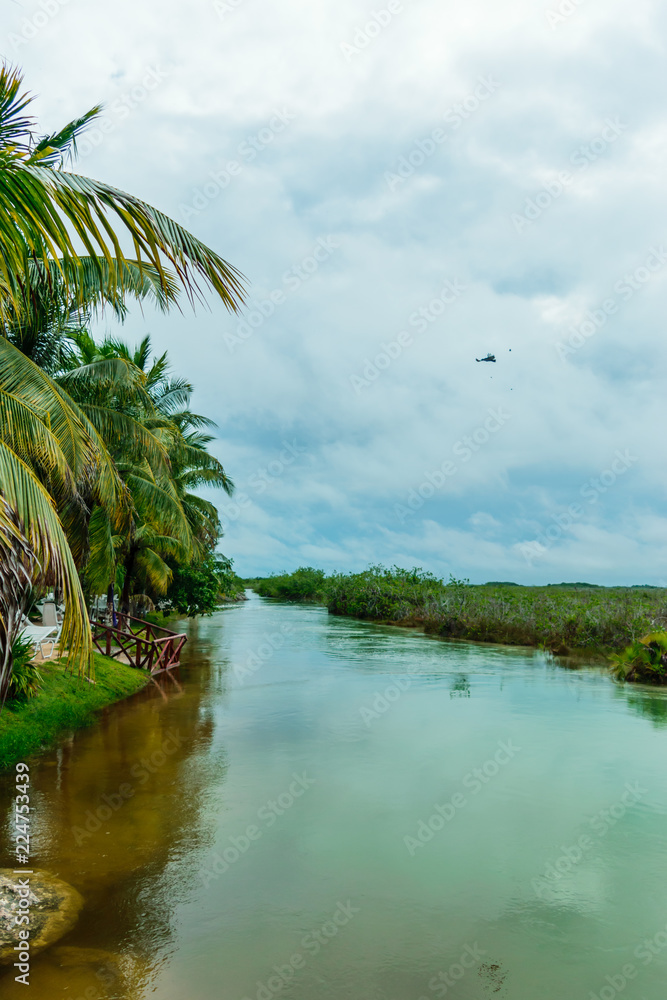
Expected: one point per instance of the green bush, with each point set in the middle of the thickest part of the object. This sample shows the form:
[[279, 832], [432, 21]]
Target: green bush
[[199, 588], [380, 594], [644, 660], [26, 678], [306, 584]]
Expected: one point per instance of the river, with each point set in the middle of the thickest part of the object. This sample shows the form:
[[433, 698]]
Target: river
[[317, 808]]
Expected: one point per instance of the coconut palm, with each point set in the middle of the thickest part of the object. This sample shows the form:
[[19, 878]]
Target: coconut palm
[[48, 449], [184, 436], [61, 251], [159, 452], [184, 432]]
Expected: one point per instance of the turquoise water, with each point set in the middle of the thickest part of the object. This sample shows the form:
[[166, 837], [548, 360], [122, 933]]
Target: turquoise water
[[323, 808]]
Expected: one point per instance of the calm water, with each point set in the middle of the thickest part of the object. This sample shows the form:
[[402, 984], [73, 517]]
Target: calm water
[[261, 833]]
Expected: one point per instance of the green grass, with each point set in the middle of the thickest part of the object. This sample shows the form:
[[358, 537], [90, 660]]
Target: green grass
[[564, 618], [63, 703]]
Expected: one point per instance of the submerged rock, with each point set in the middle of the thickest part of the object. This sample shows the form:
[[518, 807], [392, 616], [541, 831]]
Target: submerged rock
[[91, 966], [54, 909], [78, 973]]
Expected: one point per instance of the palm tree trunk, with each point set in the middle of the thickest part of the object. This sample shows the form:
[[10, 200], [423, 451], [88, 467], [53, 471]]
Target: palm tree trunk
[[17, 570], [127, 582], [110, 613]]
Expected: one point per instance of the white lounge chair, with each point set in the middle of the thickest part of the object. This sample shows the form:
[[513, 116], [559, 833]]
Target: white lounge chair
[[41, 634], [51, 615], [48, 632]]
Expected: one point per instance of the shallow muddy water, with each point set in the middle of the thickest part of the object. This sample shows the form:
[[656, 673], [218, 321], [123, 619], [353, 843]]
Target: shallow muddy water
[[318, 808]]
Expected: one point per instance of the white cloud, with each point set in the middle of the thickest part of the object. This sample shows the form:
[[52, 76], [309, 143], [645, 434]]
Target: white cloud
[[324, 175]]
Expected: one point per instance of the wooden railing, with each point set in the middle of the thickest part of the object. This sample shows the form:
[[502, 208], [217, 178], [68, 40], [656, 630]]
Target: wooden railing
[[144, 645]]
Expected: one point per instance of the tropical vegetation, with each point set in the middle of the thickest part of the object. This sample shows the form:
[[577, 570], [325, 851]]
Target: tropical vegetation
[[100, 453], [567, 618], [643, 660], [305, 584]]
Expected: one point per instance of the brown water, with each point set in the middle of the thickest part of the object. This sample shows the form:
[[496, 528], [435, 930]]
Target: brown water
[[317, 808]]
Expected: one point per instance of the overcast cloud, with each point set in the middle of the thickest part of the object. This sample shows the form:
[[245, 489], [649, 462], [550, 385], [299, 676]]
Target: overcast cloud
[[407, 186]]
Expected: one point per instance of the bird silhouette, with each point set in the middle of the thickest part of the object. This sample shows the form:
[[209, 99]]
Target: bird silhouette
[[489, 357]]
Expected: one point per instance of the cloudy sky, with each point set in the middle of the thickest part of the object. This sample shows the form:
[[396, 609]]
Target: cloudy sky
[[407, 186]]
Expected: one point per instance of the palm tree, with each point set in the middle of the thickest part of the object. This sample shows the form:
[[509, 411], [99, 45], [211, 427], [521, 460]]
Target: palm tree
[[48, 446], [183, 434], [142, 414]]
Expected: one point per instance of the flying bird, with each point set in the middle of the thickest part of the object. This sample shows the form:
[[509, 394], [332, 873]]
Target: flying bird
[[489, 357]]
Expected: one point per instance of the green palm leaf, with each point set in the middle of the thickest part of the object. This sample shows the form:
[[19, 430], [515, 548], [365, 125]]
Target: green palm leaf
[[43, 530]]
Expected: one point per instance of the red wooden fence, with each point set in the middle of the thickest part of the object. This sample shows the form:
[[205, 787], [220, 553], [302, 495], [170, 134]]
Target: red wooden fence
[[146, 646]]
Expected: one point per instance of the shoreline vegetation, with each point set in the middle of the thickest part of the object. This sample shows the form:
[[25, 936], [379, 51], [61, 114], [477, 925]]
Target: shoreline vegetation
[[60, 701], [63, 703], [623, 625], [101, 455]]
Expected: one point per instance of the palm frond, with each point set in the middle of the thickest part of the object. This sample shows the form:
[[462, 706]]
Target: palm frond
[[103, 377], [101, 565], [26, 432], [52, 150], [127, 435], [42, 204], [158, 503], [14, 124], [156, 570], [79, 442], [41, 525]]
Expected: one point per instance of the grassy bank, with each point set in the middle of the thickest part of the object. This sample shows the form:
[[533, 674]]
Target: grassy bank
[[564, 619], [62, 704]]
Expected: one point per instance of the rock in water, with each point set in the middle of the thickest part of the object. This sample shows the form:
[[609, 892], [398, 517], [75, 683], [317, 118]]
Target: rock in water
[[54, 909]]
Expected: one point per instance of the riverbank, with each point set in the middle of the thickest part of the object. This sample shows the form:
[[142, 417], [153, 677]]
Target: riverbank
[[63, 703], [408, 752], [564, 619]]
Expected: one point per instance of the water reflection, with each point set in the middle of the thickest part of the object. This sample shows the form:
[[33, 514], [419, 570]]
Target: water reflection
[[117, 810], [460, 687], [649, 704], [152, 925]]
